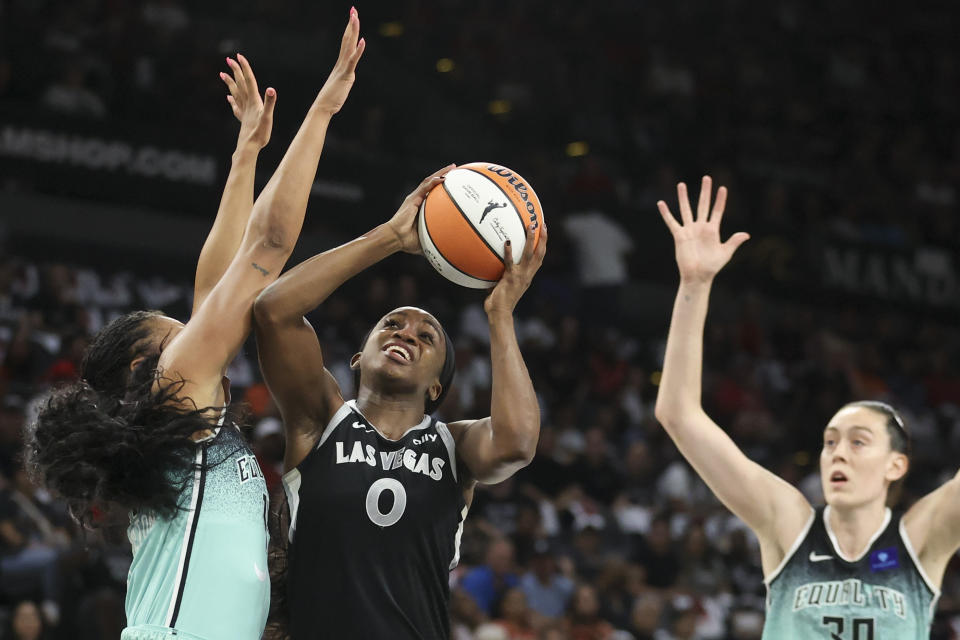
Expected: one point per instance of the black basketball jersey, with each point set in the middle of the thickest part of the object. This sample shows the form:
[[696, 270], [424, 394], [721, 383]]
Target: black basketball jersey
[[882, 595], [375, 529]]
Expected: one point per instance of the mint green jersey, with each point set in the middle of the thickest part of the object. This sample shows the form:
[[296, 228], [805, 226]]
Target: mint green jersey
[[202, 574], [818, 593]]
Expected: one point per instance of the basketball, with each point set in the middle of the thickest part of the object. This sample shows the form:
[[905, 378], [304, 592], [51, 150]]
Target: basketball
[[465, 220]]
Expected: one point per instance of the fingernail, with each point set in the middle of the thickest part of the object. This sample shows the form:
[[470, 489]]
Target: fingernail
[[362, 41], [222, 75], [229, 60], [353, 11]]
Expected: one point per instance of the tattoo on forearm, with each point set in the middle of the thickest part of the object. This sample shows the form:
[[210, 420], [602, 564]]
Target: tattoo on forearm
[[260, 269]]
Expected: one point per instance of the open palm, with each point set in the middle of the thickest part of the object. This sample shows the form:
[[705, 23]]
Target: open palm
[[699, 251], [337, 87], [254, 113]]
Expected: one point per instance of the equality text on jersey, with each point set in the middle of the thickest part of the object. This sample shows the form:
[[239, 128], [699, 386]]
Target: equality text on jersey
[[851, 592]]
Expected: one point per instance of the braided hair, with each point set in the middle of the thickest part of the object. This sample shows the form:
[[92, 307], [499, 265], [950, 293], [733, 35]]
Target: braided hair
[[115, 440]]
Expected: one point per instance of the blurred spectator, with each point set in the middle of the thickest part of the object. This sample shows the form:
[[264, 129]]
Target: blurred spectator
[[602, 245], [655, 552], [546, 589], [545, 475], [583, 617], [491, 631], [596, 470], [645, 616], [29, 559], [516, 617], [465, 615], [702, 571], [25, 623], [681, 617], [487, 583]]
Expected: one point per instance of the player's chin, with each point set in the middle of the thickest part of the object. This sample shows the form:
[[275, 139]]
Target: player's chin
[[840, 499], [395, 372]]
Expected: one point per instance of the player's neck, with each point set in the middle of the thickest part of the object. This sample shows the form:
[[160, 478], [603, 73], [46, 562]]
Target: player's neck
[[392, 415], [855, 526]]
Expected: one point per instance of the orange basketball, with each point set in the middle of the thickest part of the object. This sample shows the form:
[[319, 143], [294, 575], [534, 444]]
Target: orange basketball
[[465, 220]]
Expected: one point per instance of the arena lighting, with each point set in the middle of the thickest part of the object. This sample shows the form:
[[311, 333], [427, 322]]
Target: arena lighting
[[499, 107], [391, 29], [577, 149], [445, 65]]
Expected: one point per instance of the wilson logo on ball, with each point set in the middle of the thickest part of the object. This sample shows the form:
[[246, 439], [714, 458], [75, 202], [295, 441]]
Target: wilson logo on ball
[[520, 187], [465, 221]]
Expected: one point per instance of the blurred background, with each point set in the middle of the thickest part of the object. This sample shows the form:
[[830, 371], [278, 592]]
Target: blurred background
[[835, 129]]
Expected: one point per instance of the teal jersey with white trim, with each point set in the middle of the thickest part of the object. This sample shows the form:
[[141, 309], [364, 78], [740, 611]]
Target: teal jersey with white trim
[[817, 593], [202, 573]]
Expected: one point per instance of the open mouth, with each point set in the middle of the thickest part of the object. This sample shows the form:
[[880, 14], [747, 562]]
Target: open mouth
[[837, 478], [398, 353]]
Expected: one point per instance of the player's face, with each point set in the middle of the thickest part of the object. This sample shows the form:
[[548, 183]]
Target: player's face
[[856, 463], [407, 344]]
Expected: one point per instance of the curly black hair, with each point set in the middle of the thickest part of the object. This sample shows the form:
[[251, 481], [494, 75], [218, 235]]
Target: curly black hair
[[112, 440]]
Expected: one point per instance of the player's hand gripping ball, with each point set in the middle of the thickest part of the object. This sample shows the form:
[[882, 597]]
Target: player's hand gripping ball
[[465, 220]]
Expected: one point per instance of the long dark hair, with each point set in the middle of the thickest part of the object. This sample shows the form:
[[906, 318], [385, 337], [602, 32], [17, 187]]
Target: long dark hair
[[110, 441]]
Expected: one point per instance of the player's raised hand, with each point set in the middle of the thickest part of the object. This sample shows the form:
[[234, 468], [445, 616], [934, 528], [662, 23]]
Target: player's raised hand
[[699, 251], [337, 87], [404, 221], [516, 278], [254, 113]]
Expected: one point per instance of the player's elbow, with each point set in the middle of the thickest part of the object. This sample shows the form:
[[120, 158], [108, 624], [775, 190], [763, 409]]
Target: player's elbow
[[268, 308], [670, 414], [271, 232], [663, 412], [502, 466], [519, 457], [520, 448], [671, 407]]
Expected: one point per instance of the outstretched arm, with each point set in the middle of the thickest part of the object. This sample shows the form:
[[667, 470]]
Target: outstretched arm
[[290, 356], [771, 507], [256, 123], [496, 447], [933, 526], [203, 349]]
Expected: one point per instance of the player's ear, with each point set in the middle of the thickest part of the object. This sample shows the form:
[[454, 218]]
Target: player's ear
[[434, 390], [136, 362], [897, 468], [355, 361]]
